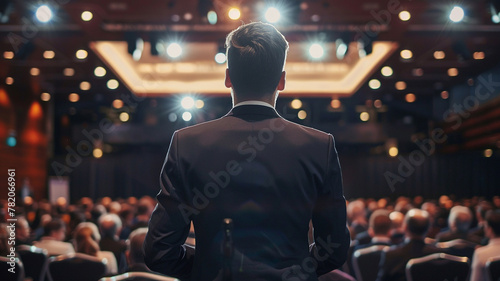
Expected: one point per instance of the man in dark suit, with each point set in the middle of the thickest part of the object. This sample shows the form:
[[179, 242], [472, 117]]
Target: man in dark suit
[[269, 175], [393, 262]]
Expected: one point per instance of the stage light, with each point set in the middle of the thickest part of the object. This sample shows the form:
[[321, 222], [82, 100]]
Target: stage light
[[69, 71], [99, 71], [445, 95], [377, 103], [220, 57], [87, 15], [316, 51], [302, 114], [44, 14], [374, 84], [410, 98], [234, 13], [335, 104], [404, 15], [172, 117], [118, 103], [200, 104], [212, 17], [187, 116], [342, 48], [452, 72], [296, 104], [97, 153], [386, 71], [457, 14], [272, 15], [406, 54], [417, 72], [9, 80], [478, 55], [34, 71], [8, 55], [85, 86], [488, 153], [73, 97], [112, 84], [439, 55], [364, 116], [124, 117], [400, 85], [174, 50], [393, 151], [81, 54], [187, 102], [45, 96], [49, 54]]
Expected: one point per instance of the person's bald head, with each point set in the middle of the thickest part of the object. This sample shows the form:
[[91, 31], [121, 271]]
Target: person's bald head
[[417, 223], [110, 224]]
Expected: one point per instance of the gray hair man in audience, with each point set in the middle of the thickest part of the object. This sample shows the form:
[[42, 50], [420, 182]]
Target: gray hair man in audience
[[459, 222], [135, 256], [109, 227]]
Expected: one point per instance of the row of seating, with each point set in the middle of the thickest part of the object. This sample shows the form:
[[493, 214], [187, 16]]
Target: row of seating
[[436, 267], [33, 262]]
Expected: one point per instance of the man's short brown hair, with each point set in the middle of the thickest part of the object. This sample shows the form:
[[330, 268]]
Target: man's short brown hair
[[256, 54]]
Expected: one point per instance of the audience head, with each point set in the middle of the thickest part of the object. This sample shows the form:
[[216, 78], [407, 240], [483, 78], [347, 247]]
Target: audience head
[[460, 219], [431, 208], [256, 54], [356, 210], [23, 231], [110, 225], [380, 223], [481, 209], [86, 239], [136, 239], [397, 219], [493, 224], [55, 228], [417, 223]]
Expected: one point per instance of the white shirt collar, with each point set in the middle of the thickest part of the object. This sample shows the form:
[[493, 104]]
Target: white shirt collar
[[254, 102]]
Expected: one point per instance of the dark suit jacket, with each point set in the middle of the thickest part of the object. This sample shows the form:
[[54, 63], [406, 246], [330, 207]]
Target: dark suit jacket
[[269, 175], [449, 235], [118, 247], [393, 262]]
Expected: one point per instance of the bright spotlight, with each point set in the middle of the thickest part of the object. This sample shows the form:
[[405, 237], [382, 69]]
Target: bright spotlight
[[272, 15], [364, 116], [296, 104], [220, 58], [99, 71], [234, 13], [87, 15], [186, 116], [316, 51], [404, 15], [387, 71], [81, 54], [457, 14], [43, 13], [97, 153], [341, 47], [393, 151], [124, 117], [212, 17], [200, 104], [187, 102], [302, 114], [112, 84], [174, 50], [374, 84]]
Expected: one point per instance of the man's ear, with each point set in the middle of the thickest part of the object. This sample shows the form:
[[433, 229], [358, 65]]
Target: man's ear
[[281, 84], [227, 81]]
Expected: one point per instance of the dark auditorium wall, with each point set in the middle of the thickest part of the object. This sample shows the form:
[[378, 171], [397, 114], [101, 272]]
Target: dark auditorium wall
[[27, 123], [464, 175]]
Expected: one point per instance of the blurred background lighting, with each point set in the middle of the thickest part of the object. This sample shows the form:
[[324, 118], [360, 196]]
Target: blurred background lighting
[[302, 114], [187, 116], [272, 15], [174, 50], [112, 84], [97, 152], [45, 96], [457, 14], [296, 104], [187, 102], [234, 13], [99, 71], [374, 84], [87, 15], [73, 97], [386, 71], [404, 15], [81, 54], [118, 103], [364, 116], [124, 117], [49, 54], [316, 51], [44, 13]]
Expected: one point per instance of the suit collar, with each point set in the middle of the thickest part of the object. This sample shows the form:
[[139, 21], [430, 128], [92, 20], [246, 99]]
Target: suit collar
[[254, 110]]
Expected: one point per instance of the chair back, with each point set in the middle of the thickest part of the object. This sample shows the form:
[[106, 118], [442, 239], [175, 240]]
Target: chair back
[[438, 267], [366, 262], [139, 276], [458, 247], [76, 267], [34, 260], [9, 271], [493, 268]]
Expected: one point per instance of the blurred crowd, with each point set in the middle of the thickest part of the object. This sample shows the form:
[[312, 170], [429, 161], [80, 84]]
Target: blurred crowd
[[115, 229]]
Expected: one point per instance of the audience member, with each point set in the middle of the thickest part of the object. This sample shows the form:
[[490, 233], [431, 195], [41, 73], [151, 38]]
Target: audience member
[[109, 226], [481, 209], [393, 262], [397, 232], [86, 239], [482, 254], [379, 230], [23, 232], [135, 257], [53, 237], [356, 216], [459, 221]]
